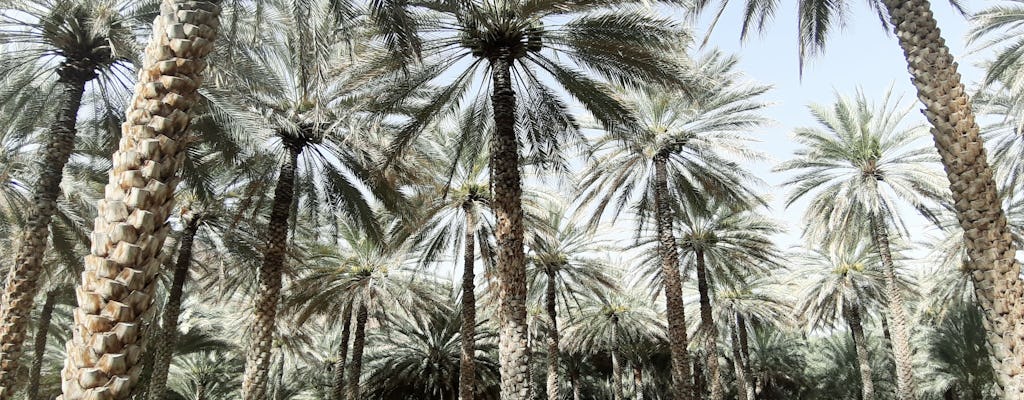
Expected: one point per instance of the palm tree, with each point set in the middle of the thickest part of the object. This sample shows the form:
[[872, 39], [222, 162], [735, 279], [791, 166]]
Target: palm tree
[[677, 160], [755, 304], [117, 285], [841, 284], [858, 169], [561, 265], [78, 41], [530, 40], [736, 242], [956, 134], [957, 357]]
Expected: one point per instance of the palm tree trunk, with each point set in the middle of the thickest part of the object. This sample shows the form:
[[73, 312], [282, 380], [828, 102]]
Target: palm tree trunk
[[674, 307], [698, 379], [741, 328], [339, 365], [356, 369], [743, 386], [549, 303], [977, 202], [39, 346], [513, 354], [638, 381], [616, 364], [172, 309], [201, 391], [22, 281], [900, 342], [257, 360], [467, 364], [852, 315], [119, 279], [708, 326], [574, 381]]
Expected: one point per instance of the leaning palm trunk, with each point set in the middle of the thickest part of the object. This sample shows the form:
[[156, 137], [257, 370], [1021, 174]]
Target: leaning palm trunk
[[39, 346], [23, 279], [681, 388], [119, 279], [358, 344], [172, 309], [852, 315], [617, 391], [743, 386], [257, 360], [976, 199], [708, 326], [900, 337], [549, 303], [513, 353], [467, 364], [339, 365]]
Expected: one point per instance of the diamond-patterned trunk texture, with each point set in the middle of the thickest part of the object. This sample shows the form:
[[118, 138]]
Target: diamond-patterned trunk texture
[[989, 242], [674, 308], [467, 362], [513, 353], [119, 279], [23, 279], [902, 353], [851, 312]]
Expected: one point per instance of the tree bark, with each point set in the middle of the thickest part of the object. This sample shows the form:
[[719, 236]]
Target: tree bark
[[852, 315], [39, 345], [616, 364], [358, 344], [23, 280], [513, 354], [976, 199], [574, 381], [119, 279], [681, 388], [549, 303], [638, 381], [741, 328], [338, 382], [902, 353], [708, 326], [172, 310], [467, 364], [743, 386], [698, 379], [257, 361]]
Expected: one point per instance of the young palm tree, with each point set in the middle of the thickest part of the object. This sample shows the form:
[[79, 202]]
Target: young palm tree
[[530, 40], [741, 310], [117, 286], [955, 131], [857, 170], [678, 159], [561, 265], [77, 41]]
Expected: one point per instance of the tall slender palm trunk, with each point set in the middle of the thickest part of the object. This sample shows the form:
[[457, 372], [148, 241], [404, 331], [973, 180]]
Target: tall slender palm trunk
[[853, 319], [674, 307], [617, 390], [513, 353], [23, 280], [338, 383], [39, 345], [900, 342], [467, 363], [638, 381], [976, 199], [118, 284], [707, 324], [744, 346], [574, 381], [549, 303], [257, 359], [743, 386], [172, 310], [358, 344]]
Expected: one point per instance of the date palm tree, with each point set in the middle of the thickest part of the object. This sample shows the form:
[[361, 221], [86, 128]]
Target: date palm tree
[[679, 158], [955, 131], [857, 170], [519, 45]]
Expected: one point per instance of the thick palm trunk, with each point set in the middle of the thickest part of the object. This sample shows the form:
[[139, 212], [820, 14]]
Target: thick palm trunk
[[674, 307], [638, 381], [39, 345], [172, 310], [119, 279], [741, 328], [467, 364], [708, 326], [338, 382], [549, 303], [22, 281], [257, 360], [617, 391], [698, 379], [900, 342], [358, 344], [976, 199], [743, 386], [852, 315], [513, 353]]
